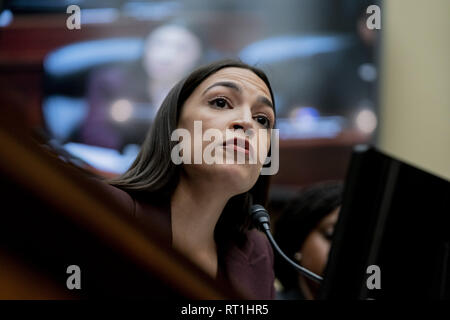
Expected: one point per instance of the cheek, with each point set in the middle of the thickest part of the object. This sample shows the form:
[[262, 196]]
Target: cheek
[[244, 176], [261, 143], [315, 252], [198, 121], [254, 171]]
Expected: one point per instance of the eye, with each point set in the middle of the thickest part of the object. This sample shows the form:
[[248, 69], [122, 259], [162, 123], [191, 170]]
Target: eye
[[263, 120], [219, 103], [327, 234]]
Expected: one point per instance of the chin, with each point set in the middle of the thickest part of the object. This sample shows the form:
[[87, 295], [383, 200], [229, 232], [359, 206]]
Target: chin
[[238, 177]]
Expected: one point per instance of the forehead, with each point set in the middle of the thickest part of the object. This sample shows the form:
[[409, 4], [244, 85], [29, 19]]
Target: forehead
[[168, 34], [245, 78]]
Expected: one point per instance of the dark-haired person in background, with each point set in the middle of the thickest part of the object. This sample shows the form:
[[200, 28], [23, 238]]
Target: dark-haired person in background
[[205, 207], [304, 231]]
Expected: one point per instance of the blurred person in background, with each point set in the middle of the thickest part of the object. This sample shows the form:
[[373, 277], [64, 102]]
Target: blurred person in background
[[304, 232], [123, 100]]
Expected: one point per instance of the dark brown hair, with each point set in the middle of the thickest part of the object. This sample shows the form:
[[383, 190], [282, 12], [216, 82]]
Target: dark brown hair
[[300, 217], [155, 176]]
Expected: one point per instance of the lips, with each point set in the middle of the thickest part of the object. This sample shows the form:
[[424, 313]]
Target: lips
[[240, 145]]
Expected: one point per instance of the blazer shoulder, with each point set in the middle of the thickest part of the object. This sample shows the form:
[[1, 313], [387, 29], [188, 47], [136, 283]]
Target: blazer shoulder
[[117, 196], [142, 208]]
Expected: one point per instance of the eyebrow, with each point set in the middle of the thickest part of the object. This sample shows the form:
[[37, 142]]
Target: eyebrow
[[265, 101], [227, 84], [237, 88]]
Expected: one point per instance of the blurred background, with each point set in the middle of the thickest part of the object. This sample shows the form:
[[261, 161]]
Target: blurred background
[[93, 92]]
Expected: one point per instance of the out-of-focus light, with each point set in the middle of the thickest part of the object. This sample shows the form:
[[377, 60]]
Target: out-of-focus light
[[6, 17], [305, 118], [104, 159], [282, 48], [121, 110], [81, 56], [367, 72], [303, 112], [154, 10], [102, 15], [366, 121]]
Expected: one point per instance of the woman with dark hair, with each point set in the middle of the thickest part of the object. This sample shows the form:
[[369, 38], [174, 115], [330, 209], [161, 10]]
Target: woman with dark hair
[[304, 230], [206, 206]]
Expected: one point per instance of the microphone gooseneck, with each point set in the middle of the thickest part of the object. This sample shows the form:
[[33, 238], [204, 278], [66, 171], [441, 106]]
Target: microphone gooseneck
[[261, 220]]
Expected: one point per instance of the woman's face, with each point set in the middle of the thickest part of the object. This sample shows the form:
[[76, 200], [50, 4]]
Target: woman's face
[[238, 100], [170, 52], [316, 247]]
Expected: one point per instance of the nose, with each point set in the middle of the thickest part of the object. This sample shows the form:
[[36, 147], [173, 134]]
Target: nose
[[243, 121]]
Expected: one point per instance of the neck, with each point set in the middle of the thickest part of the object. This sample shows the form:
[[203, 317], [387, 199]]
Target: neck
[[306, 286], [157, 90], [195, 210]]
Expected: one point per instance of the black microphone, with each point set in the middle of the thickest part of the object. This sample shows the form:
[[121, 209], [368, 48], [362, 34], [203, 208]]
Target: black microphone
[[261, 220]]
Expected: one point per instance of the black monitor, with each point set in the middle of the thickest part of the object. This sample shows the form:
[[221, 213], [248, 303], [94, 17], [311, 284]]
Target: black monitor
[[396, 217]]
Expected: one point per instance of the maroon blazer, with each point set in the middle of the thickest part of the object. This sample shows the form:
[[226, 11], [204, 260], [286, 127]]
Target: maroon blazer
[[247, 268]]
